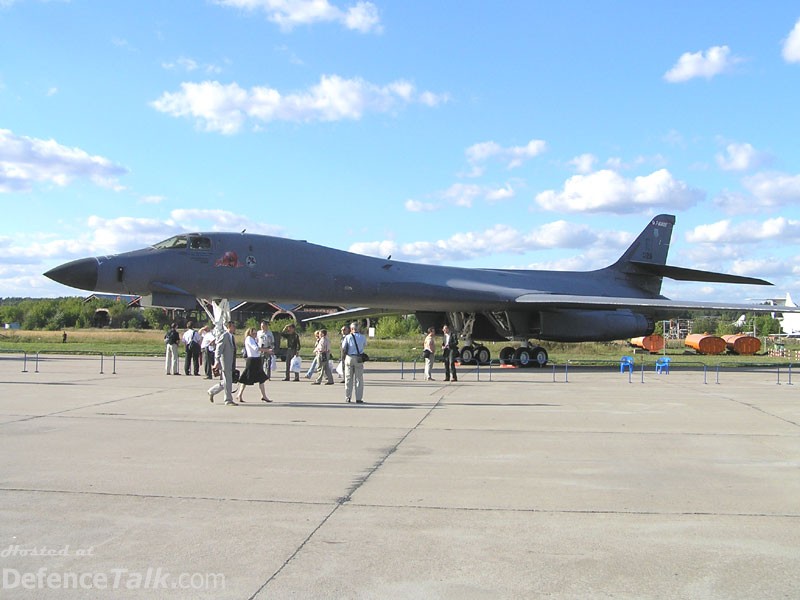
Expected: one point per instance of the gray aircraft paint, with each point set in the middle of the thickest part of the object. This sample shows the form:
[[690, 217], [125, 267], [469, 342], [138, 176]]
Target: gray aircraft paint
[[615, 302]]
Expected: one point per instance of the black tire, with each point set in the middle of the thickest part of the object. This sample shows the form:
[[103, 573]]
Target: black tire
[[539, 356], [467, 355], [482, 355], [523, 358], [507, 356]]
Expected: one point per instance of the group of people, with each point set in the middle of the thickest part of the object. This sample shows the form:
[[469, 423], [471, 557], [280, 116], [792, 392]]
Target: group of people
[[218, 356], [199, 349], [259, 352], [449, 353]]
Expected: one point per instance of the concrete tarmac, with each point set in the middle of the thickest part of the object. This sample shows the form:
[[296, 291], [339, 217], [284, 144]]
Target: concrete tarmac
[[130, 484]]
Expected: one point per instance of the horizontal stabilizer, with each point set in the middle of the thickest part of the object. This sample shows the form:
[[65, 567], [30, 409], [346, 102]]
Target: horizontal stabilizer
[[683, 274]]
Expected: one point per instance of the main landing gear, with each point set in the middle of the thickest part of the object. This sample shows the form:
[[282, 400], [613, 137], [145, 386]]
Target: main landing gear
[[524, 356]]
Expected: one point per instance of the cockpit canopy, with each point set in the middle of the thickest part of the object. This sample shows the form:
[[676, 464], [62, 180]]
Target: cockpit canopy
[[192, 241]]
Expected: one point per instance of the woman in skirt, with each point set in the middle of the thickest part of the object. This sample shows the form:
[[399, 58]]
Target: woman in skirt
[[254, 368]]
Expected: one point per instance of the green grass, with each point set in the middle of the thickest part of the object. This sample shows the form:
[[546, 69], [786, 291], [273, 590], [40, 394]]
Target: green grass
[[151, 343]]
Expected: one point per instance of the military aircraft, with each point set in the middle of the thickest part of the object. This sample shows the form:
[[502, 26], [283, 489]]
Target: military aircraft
[[620, 301]]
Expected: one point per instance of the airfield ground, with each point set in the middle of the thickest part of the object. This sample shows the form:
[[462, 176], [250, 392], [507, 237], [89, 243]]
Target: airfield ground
[[130, 484]]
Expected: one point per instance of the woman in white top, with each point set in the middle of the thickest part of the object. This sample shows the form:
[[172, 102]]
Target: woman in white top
[[323, 356], [428, 353], [254, 367]]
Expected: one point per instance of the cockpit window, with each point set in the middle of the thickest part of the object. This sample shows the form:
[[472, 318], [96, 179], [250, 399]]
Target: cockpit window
[[178, 241], [199, 243]]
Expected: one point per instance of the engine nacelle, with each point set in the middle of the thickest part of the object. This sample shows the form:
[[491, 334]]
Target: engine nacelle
[[593, 325]]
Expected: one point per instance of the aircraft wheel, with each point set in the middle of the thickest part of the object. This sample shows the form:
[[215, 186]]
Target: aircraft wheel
[[482, 355], [540, 356], [507, 355], [522, 356], [467, 355]]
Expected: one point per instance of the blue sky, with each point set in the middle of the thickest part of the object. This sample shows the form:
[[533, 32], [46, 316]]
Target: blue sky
[[519, 134]]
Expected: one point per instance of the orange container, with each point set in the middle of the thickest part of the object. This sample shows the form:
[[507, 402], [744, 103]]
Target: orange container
[[740, 343], [704, 343], [651, 343]]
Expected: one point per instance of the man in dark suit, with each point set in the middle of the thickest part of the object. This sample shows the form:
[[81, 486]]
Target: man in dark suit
[[450, 353]]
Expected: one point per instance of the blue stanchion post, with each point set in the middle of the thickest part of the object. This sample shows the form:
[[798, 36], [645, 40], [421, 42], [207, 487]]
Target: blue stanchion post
[[101, 363]]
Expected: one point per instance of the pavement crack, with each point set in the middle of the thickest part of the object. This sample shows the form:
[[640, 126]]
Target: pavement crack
[[346, 498]]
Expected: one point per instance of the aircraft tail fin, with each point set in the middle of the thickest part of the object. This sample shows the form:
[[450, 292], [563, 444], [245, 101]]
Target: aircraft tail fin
[[652, 245], [646, 260]]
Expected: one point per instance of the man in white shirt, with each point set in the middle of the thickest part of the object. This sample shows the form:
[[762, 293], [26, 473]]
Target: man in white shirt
[[353, 346], [207, 346]]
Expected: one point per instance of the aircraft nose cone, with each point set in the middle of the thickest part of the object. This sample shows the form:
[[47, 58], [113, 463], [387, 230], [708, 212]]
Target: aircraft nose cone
[[81, 274]]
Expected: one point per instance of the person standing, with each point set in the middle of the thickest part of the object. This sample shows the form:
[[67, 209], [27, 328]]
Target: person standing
[[353, 346], [345, 331], [450, 353], [225, 361], [289, 333], [428, 352], [323, 355], [254, 367], [207, 345], [191, 340], [171, 339], [266, 341]]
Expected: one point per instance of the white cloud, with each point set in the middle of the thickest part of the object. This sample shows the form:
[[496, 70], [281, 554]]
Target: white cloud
[[691, 65], [791, 45], [498, 194], [417, 206], [774, 189], [607, 191], [494, 240], [738, 157], [584, 163], [26, 161], [513, 156], [462, 194], [190, 65], [725, 232], [153, 199], [763, 191], [225, 108], [362, 16], [196, 219]]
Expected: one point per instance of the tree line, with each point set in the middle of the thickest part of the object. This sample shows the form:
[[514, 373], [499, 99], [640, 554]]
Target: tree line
[[53, 314]]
